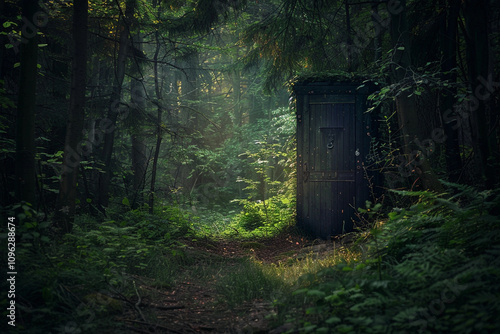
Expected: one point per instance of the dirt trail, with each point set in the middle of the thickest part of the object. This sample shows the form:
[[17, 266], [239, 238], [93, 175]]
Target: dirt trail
[[193, 304]]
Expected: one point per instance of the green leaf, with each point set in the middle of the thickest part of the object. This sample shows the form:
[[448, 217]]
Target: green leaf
[[401, 48], [309, 328], [332, 320], [360, 266], [125, 201], [316, 293], [345, 328], [300, 291]]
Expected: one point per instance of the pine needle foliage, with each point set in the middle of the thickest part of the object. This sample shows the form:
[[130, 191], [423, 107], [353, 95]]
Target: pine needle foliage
[[430, 268]]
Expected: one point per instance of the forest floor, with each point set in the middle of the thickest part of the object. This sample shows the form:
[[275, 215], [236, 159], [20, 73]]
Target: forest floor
[[192, 304]]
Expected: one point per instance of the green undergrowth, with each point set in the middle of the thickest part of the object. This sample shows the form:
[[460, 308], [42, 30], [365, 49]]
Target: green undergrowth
[[59, 278], [431, 268], [253, 220]]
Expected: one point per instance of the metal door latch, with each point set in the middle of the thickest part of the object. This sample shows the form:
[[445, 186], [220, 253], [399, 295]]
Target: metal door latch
[[332, 140]]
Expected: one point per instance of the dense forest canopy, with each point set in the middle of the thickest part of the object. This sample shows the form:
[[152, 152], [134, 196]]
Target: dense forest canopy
[[129, 126]]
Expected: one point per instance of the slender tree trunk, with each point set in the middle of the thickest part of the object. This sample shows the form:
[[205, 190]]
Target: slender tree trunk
[[159, 131], [138, 106], [72, 151], [25, 123], [189, 87], [477, 52], [114, 107], [348, 35], [448, 41], [377, 39], [94, 136], [237, 97], [139, 165]]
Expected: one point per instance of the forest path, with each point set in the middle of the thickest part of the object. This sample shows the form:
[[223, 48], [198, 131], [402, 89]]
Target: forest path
[[193, 304]]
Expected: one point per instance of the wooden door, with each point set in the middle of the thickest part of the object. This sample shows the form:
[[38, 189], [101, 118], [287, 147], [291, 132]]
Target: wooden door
[[327, 163]]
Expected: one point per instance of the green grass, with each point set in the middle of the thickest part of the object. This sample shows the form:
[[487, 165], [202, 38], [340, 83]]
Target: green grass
[[248, 281]]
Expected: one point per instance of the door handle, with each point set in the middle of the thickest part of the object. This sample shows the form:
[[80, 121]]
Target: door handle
[[332, 140], [330, 145]]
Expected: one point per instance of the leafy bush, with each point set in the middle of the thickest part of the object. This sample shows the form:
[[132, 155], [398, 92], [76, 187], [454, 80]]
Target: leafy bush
[[252, 216], [173, 222], [264, 217]]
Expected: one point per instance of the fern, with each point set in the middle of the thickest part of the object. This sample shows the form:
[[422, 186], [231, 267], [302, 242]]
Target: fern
[[440, 264]]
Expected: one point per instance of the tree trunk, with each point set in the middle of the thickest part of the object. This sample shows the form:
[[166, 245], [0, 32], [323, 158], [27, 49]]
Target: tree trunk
[[448, 41], [348, 36], [377, 39], [409, 122], [108, 127], [236, 81], [25, 123], [138, 106], [477, 53], [72, 150], [159, 132]]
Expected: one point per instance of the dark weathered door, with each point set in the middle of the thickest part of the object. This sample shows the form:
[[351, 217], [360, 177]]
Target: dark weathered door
[[329, 174]]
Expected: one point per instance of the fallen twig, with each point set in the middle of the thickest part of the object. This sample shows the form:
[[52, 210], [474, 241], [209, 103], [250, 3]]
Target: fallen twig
[[138, 303]]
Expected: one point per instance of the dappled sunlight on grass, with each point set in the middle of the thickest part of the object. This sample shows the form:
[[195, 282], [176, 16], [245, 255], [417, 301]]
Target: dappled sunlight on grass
[[292, 269]]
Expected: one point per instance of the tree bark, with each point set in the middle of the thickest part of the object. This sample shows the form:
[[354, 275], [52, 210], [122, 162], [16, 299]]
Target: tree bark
[[25, 122], [114, 107], [477, 53], [348, 36], [72, 150], [159, 131], [416, 161], [138, 106], [448, 41], [377, 39]]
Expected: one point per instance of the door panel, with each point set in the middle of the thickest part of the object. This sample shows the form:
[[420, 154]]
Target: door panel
[[328, 186]]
